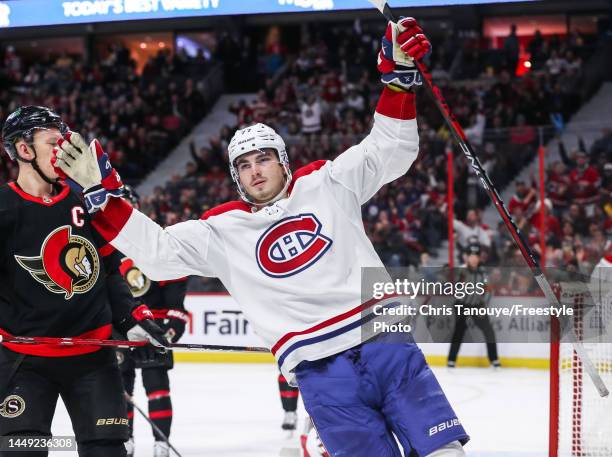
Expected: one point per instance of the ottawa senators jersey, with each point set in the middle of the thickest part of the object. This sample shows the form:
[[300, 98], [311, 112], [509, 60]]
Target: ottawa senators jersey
[[52, 275], [162, 297]]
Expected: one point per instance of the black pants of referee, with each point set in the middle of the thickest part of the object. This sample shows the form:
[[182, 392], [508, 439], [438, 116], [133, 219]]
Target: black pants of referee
[[91, 388], [483, 323]]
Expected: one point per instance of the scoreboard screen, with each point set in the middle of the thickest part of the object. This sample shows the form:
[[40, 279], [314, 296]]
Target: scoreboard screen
[[27, 13]]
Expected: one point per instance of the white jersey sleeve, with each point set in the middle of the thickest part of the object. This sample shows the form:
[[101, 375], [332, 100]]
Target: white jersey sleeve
[[180, 250], [386, 153]]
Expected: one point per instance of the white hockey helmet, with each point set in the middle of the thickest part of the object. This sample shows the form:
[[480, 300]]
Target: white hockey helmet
[[255, 138]]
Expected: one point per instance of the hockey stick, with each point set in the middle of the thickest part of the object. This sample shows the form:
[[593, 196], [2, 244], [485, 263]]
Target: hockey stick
[[154, 426], [459, 136], [123, 344]]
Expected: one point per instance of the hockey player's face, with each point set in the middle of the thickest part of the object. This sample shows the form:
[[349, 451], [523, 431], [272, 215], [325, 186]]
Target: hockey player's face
[[261, 174], [44, 141]]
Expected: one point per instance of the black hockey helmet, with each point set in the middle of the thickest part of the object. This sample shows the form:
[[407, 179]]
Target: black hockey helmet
[[473, 249], [22, 123]]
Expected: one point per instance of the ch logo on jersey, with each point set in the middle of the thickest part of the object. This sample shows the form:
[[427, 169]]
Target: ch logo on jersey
[[291, 245], [68, 264], [137, 281]]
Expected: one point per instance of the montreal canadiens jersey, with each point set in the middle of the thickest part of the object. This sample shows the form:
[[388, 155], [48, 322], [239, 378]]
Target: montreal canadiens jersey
[[294, 267], [52, 274]]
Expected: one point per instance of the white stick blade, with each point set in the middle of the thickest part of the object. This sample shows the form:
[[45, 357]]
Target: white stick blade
[[380, 4]]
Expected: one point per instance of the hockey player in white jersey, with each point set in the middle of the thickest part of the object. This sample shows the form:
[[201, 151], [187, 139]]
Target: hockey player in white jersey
[[291, 252]]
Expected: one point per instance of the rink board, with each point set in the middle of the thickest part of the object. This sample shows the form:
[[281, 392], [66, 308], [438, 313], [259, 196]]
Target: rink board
[[217, 319]]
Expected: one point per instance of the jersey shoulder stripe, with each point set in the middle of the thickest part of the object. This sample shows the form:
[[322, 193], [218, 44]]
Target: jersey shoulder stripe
[[225, 207], [305, 171]]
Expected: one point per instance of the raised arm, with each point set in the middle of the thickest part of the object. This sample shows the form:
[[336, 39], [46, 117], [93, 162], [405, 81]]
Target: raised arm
[[393, 143], [386, 153]]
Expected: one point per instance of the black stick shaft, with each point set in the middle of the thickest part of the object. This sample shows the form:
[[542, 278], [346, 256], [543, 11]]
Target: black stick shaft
[[153, 425]]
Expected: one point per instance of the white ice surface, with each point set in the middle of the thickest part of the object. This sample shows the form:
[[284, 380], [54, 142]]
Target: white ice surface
[[233, 410]]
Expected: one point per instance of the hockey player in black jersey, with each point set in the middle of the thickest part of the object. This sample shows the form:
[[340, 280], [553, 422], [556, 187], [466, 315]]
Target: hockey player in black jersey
[[289, 400], [166, 301], [59, 279]]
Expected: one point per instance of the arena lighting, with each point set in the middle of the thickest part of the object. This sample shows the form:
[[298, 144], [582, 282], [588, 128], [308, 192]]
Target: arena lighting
[[27, 13], [527, 64], [143, 45]]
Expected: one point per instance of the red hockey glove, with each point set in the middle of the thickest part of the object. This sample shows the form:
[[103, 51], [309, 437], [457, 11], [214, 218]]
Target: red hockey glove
[[403, 42]]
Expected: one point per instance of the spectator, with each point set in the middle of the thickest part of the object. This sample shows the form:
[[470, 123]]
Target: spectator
[[512, 50], [537, 53], [523, 197], [555, 64], [552, 226], [558, 187], [471, 231], [584, 182], [311, 115]]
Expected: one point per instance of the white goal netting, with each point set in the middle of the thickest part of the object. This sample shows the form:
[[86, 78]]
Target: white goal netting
[[585, 418]]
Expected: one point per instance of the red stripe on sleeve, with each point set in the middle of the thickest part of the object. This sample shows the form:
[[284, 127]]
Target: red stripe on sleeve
[[106, 250], [160, 414], [111, 220], [398, 105]]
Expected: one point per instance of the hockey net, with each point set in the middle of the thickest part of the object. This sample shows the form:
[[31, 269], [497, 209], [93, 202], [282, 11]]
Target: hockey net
[[581, 421]]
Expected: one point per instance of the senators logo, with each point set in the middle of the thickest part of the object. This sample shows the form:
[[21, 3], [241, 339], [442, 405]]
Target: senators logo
[[291, 245], [12, 406], [137, 281], [68, 264]]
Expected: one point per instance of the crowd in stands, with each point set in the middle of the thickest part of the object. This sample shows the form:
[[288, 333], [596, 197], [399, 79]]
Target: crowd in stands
[[578, 220], [577, 215], [324, 103], [138, 117]]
